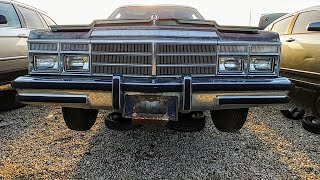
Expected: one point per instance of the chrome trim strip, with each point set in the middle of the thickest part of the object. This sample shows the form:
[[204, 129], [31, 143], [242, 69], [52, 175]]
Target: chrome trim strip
[[300, 71], [123, 53], [264, 54], [187, 78], [42, 52], [74, 52], [186, 54], [54, 96], [153, 33], [116, 87], [13, 58], [249, 97], [167, 41], [154, 60], [80, 41], [121, 64], [186, 65], [247, 43]]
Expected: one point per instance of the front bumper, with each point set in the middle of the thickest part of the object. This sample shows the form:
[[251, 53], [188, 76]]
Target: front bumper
[[193, 94]]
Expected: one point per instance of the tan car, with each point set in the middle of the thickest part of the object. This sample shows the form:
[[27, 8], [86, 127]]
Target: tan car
[[16, 21], [300, 37]]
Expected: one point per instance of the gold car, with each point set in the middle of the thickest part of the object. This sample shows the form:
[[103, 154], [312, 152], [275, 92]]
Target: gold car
[[300, 37]]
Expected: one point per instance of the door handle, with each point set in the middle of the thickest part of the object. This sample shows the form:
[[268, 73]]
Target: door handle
[[290, 40], [23, 36]]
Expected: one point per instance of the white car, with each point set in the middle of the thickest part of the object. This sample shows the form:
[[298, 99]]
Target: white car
[[16, 21]]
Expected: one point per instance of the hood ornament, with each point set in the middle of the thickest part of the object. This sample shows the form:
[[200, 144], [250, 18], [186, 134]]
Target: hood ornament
[[154, 18]]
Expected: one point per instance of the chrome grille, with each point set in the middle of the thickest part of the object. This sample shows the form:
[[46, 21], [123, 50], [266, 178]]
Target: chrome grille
[[186, 59], [185, 48], [74, 47], [43, 46], [118, 48], [126, 59], [147, 59]]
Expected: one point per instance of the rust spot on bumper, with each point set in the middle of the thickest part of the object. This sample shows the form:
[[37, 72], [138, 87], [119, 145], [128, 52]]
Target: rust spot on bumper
[[150, 119]]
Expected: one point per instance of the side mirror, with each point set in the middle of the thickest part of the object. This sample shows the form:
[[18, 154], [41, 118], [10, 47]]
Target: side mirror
[[3, 19], [315, 26]]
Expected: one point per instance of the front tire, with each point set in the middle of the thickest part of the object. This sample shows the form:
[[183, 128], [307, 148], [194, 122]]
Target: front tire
[[8, 101], [229, 120], [79, 119]]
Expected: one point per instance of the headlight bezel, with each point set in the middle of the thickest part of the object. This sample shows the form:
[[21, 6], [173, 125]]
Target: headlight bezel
[[274, 60], [66, 64], [35, 67], [242, 60]]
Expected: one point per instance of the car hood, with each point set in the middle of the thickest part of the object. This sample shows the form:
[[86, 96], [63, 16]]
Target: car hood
[[161, 22], [169, 28]]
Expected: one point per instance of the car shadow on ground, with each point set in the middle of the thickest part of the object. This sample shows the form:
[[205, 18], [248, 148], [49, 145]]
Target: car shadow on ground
[[159, 153]]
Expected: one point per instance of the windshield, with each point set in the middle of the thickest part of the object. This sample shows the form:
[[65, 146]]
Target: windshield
[[164, 12]]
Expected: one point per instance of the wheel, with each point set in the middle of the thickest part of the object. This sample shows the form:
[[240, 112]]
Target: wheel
[[8, 100], [191, 122], [115, 121], [79, 119], [316, 106], [311, 124], [229, 120]]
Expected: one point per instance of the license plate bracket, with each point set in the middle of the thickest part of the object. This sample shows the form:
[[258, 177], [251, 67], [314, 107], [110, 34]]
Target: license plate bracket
[[151, 107]]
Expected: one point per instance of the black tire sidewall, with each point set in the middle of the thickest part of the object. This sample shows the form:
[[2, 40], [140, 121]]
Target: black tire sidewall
[[316, 105], [309, 126], [229, 120], [79, 119]]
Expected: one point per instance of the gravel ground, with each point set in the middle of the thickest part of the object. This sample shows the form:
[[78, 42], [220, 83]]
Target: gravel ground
[[35, 144]]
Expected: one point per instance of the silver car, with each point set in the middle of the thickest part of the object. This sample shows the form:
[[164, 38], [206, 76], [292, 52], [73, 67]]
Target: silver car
[[16, 21]]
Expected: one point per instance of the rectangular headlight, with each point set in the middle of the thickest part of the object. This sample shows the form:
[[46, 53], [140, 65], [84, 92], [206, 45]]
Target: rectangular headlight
[[77, 62], [230, 64], [46, 63], [261, 64]]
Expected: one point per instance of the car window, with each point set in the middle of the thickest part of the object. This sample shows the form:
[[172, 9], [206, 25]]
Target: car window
[[48, 20], [32, 18], [10, 13], [282, 25], [304, 19]]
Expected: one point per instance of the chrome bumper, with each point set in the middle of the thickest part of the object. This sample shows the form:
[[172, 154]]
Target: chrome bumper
[[193, 94]]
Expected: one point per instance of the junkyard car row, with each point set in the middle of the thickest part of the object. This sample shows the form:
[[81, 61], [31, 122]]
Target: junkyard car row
[[162, 65], [300, 37], [16, 21]]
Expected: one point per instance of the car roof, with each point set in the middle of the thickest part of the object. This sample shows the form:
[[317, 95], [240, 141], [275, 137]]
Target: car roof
[[292, 14], [303, 10], [24, 5], [158, 5]]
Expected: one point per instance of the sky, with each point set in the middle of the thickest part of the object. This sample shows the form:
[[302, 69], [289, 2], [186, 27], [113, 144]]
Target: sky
[[225, 12]]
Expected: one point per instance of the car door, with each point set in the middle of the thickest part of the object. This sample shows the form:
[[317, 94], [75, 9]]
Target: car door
[[13, 41], [282, 27], [304, 45]]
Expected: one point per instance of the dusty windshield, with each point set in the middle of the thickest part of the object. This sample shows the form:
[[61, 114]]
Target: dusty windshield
[[164, 12]]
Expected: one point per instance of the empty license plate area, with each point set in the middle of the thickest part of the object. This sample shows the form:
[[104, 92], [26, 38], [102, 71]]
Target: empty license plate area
[[151, 107]]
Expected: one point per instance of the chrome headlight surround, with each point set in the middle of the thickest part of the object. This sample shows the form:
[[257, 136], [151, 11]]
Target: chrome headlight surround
[[262, 64], [230, 64], [46, 63], [76, 62]]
